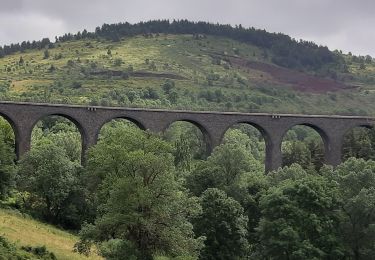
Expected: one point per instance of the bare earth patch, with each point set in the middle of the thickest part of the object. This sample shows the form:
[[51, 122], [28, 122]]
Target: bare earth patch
[[137, 74], [298, 80]]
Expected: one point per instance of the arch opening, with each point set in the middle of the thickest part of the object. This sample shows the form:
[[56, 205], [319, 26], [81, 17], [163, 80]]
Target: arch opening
[[8, 156], [250, 137], [61, 131], [110, 128], [8, 153], [304, 145], [190, 141], [359, 142]]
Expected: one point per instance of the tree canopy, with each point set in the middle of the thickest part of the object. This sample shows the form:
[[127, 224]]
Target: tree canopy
[[132, 199]]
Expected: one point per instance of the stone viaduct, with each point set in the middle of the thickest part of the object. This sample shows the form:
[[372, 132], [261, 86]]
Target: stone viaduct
[[90, 119]]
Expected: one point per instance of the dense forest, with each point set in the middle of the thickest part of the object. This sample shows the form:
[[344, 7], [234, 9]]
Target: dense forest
[[146, 196]]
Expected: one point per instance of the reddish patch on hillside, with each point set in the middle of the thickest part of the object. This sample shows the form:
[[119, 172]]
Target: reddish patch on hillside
[[298, 80]]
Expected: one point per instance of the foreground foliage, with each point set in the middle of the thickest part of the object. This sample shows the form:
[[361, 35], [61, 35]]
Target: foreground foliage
[[224, 225], [10, 251], [146, 196], [142, 208]]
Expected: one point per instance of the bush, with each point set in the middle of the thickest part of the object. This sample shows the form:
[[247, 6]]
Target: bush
[[40, 251], [76, 85], [10, 251]]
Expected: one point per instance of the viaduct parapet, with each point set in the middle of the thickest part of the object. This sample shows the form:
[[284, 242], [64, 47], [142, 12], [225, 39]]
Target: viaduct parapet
[[90, 119]]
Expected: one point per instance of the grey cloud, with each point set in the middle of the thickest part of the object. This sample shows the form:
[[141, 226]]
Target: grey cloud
[[341, 24], [10, 6]]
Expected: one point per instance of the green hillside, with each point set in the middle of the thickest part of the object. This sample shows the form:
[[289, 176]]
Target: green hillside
[[24, 231], [185, 71]]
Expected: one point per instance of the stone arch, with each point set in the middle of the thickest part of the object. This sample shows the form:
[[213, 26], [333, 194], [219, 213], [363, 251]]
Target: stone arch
[[272, 158], [10, 121], [128, 118], [258, 148], [131, 119], [320, 131], [364, 125], [356, 130], [15, 132], [265, 134], [72, 119], [207, 138]]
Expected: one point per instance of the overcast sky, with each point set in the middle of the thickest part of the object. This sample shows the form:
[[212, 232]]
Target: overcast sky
[[347, 25]]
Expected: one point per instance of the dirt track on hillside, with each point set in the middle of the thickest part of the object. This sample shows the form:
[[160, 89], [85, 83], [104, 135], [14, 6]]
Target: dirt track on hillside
[[137, 74], [298, 80]]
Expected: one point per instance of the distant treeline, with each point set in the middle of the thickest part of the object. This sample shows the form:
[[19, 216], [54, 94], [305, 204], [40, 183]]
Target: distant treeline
[[286, 52], [25, 45]]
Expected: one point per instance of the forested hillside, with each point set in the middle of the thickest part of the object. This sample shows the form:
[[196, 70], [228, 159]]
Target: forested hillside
[[140, 195], [187, 65]]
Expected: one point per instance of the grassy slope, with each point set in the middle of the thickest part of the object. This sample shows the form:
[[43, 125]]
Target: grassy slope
[[25, 231], [240, 89]]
